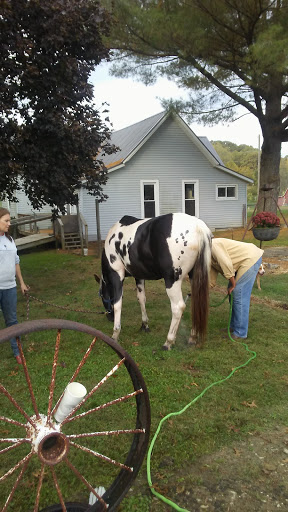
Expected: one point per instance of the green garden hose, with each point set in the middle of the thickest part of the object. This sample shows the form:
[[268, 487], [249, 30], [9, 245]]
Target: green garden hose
[[253, 355]]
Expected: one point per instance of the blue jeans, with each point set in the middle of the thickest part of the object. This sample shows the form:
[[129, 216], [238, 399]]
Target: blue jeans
[[8, 304], [241, 301]]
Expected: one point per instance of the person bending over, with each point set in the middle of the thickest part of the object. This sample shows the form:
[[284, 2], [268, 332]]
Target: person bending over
[[238, 262]]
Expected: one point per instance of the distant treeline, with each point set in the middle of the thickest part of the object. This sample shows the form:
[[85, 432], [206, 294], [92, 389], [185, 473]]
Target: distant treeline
[[244, 159]]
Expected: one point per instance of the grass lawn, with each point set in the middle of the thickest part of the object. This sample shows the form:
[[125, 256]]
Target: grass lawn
[[254, 399]]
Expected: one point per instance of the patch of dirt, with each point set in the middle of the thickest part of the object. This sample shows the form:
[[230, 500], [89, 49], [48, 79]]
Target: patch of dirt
[[249, 476]]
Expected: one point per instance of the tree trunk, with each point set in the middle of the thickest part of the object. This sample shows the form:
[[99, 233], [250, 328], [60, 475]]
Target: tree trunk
[[271, 152], [269, 174]]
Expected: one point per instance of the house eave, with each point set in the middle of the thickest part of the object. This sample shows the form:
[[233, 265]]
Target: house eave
[[234, 173]]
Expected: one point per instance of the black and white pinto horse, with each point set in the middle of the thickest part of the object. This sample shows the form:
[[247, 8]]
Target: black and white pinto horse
[[170, 247]]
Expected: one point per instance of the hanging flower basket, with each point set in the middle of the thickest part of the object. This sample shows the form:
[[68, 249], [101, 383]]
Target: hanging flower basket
[[266, 233], [266, 226]]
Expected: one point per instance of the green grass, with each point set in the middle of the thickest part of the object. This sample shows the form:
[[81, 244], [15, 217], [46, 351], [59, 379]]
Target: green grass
[[173, 378]]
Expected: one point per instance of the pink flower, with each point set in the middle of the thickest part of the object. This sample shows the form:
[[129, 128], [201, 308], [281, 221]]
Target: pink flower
[[265, 220]]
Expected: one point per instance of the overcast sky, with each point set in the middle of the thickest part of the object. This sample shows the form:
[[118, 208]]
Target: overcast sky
[[131, 101]]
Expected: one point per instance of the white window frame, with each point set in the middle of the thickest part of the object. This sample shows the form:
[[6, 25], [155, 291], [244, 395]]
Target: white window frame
[[196, 194], [156, 195], [225, 185]]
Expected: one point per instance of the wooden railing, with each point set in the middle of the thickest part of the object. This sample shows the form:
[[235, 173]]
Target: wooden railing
[[29, 219], [82, 228]]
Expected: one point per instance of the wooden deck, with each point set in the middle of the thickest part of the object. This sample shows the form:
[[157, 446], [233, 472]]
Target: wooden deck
[[30, 241]]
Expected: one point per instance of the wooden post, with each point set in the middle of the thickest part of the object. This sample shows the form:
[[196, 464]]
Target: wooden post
[[80, 229], [99, 240]]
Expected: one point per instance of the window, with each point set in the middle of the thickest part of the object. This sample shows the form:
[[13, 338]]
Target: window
[[149, 199], [190, 198], [226, 192]]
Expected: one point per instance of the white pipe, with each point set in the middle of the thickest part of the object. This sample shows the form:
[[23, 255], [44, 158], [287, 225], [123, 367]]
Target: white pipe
[[73, 394]]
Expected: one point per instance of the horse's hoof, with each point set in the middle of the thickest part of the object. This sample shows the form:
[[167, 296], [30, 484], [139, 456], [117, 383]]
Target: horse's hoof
[[164, 347], [144, 328]]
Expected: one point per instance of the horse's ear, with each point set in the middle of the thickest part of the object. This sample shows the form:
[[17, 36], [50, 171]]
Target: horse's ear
[[97, 278]]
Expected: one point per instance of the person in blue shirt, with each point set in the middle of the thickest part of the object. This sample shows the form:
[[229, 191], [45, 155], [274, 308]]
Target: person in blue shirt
[[9, 270]]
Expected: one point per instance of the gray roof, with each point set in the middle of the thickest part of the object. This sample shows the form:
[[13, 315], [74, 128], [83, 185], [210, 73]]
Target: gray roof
[[211, 148], [130, 139]]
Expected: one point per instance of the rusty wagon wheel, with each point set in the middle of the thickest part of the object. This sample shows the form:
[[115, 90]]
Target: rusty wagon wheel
[[100, 443]]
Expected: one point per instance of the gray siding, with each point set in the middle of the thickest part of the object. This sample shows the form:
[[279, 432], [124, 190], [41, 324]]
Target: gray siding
[[170, 157]]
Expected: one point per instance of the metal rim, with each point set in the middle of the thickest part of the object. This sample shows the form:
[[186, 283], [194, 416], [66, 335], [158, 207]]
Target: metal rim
[[45, 435]]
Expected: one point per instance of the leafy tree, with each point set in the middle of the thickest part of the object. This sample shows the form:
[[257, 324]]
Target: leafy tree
[[50, 130], [226, 54], [244, 159]]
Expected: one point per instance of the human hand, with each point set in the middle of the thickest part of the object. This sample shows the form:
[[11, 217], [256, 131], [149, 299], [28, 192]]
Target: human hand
[[24, 288], [231, 285]]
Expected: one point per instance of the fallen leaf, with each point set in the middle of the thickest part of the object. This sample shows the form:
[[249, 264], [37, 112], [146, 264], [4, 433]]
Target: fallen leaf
[[249, 404], [13, 373], [232, 428], [237, 452]]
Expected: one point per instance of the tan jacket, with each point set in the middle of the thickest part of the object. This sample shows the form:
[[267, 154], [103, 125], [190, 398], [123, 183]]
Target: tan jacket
[[230, 256]]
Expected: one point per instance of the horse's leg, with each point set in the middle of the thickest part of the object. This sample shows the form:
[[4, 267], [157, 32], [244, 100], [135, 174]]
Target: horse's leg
[[117, 319], [117, 307], [141, 296], [177, 307]]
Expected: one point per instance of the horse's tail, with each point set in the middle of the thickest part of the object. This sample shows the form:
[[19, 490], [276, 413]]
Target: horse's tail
[[199, 279]]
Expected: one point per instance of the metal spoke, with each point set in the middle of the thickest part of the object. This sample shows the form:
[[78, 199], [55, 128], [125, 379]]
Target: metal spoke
[[15, 486], [81, 364], [102, 381], [15, 445], [58, 490], [14, 439], [39, 486], [13, 401], [108, 433], [27, 376], [14, 422], [54, 367], [107, 404], [18, 465], [102, 457], [83, 479]]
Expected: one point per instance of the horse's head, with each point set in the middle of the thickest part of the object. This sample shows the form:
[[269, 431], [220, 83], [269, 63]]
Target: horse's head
[[106, 291], [106, 294]]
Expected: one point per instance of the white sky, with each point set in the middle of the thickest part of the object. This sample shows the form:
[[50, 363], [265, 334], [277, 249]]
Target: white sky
[[131, 101]]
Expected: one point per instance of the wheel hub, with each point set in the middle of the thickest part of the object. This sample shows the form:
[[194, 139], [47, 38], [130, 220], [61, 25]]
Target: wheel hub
[[48, 442]]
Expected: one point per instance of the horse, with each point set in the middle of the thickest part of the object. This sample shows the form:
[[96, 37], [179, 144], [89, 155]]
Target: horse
[[168, 247]]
